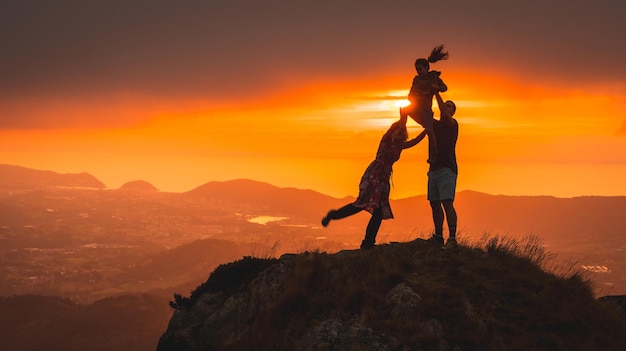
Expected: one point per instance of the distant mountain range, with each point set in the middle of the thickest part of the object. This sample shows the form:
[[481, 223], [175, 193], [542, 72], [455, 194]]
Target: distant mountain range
[[584, 219], [585, 229], [16, 177]]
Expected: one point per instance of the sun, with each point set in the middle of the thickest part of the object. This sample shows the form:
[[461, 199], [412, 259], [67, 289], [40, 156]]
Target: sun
[[397, 98], [401, 103]]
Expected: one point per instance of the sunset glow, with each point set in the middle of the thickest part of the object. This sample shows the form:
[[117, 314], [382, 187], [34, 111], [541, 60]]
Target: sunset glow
[[179, 105], [512, 135]]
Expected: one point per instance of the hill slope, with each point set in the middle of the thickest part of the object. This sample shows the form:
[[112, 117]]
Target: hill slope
[[400, 296], [16, 177], [247, 195], [138, 185], [32, 323]]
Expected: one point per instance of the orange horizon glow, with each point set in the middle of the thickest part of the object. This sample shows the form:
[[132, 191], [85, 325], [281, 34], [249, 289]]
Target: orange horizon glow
[[515, 138]]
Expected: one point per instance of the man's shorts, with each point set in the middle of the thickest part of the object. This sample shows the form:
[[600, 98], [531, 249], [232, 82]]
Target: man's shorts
[[441, 184]]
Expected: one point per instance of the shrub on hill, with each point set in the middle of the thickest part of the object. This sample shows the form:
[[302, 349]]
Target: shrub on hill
[[227, 278]]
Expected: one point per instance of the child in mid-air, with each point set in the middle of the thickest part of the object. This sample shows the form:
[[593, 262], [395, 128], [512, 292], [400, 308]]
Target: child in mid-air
[[425, 84]]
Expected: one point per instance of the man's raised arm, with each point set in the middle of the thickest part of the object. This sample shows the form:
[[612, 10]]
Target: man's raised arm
[[446, 114]]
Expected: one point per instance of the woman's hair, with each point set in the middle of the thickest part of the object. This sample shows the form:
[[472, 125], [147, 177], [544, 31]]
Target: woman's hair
[[436, 55], [398, 131]]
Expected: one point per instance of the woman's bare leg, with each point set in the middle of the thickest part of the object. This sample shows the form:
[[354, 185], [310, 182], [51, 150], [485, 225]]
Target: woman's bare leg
[[345, 211]]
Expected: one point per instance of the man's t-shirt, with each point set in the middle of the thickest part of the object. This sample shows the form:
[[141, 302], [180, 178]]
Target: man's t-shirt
[[446, 135]]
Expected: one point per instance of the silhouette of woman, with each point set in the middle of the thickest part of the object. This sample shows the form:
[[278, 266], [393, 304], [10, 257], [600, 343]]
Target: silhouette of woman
[[374, 186]]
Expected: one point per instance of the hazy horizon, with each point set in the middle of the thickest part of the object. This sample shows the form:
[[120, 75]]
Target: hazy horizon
[[121, 184]]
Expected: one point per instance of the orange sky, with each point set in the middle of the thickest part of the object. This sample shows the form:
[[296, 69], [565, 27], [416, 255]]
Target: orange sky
[[515, 139], [308, 113]]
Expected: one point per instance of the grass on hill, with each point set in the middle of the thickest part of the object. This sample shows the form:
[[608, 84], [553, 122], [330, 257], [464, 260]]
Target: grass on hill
[[495, 295]]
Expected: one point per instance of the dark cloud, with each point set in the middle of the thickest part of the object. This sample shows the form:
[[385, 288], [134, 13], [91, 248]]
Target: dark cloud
[[225, 48], [214, 46]]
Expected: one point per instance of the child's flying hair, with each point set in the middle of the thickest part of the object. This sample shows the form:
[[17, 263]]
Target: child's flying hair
[[436, 55]]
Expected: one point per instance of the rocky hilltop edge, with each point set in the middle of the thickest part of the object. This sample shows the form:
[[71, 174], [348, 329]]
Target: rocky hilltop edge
[[397, 296]]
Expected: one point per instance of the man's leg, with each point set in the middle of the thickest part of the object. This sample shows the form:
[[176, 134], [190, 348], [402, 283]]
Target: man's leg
[[438, 217], [448, 206], [447, 191], [435, 205]]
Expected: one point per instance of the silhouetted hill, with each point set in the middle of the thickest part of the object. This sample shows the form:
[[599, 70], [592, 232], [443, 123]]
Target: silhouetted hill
[[399, 296], [138, 185], [35, 323], [186, 263], [571, 219], [201, 252], [266, 198], [556, 220], [18, 178]]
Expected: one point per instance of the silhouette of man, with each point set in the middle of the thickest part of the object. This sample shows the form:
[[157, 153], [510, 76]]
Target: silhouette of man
[[442, 174]]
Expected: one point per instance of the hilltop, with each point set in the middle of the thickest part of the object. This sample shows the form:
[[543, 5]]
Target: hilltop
[[397, 296], [138, 185], [18, 178]]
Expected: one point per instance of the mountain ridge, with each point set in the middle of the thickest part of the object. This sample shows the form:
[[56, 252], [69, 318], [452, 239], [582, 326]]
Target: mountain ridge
[[12, 175], [19, 178]]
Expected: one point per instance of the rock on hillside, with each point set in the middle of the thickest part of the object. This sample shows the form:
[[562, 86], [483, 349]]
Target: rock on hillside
[[400, 296]]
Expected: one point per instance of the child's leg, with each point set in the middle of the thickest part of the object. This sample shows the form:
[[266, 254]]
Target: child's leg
[[425, 118], [432, 146]]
